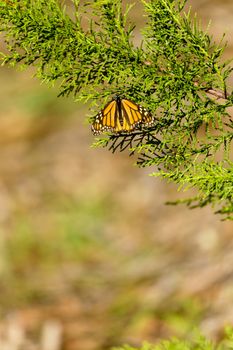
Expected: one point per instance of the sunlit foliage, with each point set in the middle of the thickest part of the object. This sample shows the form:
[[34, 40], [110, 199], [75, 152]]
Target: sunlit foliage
[[177, 73]]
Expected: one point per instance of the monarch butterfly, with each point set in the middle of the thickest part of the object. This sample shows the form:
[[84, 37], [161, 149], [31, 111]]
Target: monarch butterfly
[[121, 115]]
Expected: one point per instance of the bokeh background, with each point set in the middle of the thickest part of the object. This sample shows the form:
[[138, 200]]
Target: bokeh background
[[90, 257]]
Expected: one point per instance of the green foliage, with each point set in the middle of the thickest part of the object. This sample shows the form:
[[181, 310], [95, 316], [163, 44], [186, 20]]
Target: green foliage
[[199, 343], [177, 74]]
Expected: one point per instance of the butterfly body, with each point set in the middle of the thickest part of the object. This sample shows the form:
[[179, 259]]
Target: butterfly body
[[121, 116]]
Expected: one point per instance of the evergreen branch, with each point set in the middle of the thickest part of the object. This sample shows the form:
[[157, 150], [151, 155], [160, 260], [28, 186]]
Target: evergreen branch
[[177, 74], [213, 182]]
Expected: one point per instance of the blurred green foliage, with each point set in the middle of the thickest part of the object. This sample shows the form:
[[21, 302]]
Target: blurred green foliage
[[197, 343]]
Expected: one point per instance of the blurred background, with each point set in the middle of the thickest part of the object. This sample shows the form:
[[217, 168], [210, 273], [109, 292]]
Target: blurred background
[[90, 257]]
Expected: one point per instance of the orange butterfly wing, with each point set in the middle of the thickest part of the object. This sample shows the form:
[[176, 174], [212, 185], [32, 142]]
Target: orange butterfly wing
[[121, 115]]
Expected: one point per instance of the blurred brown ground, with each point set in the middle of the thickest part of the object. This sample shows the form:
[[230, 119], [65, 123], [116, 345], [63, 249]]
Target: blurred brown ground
[[90, 257]]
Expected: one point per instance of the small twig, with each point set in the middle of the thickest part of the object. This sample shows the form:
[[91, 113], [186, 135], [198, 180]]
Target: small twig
[[219, 94], [216, 93]]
